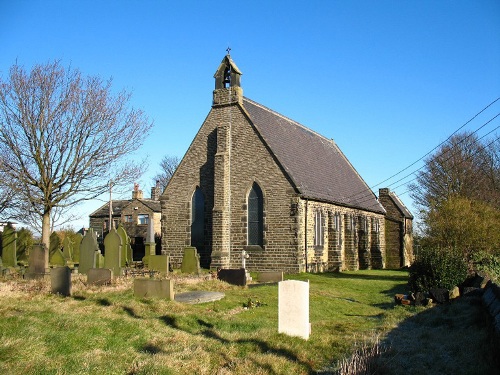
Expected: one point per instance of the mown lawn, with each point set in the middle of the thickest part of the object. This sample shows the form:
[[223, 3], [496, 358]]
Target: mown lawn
[[106, 330]]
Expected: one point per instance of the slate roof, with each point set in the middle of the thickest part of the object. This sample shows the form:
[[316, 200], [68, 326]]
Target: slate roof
[[119, 205], [314, 163]]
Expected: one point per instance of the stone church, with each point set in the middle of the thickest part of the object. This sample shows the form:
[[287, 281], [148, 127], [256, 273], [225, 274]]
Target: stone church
[[254, 180]]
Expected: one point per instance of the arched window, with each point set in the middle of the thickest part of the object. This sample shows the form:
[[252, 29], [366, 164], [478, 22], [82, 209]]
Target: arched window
[[197, 218], [255, 216]]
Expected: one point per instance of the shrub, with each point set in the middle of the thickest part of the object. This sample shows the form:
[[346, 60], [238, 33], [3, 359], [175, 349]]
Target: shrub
[[437, 268], [488, 264]]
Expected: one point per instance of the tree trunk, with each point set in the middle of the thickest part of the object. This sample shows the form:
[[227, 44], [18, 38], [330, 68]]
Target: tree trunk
[[46, 237]]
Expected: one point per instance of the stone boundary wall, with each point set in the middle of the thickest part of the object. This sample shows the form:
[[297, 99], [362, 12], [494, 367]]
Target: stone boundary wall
[[491, 300]]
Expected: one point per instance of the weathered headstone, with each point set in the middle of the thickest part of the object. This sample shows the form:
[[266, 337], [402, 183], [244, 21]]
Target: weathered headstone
[[190, 261], [126, 257], [54, 243], [68, 249], [235, 276], [159, 263], [88, 252], [293, 308], [76, 247], [113, 252], [99, 276], [57, 258], [154, 288], [36, 262], [270, 276], [9, 252], [60, 280]]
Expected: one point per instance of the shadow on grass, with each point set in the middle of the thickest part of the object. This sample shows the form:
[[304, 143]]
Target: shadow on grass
[[453, 338], [130, 311], [103, 302], [151, 349], [79, 298], [261, 345]]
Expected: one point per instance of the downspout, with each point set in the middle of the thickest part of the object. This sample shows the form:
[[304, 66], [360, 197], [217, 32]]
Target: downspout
[[305, 237]]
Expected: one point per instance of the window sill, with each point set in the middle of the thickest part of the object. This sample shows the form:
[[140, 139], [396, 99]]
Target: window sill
[[253, 248]]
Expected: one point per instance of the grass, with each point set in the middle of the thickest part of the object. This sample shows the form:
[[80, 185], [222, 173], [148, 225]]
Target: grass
[[107, 330]]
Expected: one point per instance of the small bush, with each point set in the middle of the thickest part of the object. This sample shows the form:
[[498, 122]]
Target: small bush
[[437, 268], [488, 264]]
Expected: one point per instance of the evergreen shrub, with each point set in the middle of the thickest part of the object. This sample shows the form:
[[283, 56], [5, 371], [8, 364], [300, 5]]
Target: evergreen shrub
[[437, 268]]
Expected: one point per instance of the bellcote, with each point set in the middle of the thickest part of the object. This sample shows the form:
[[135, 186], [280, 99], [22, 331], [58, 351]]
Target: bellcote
[[227, 83]]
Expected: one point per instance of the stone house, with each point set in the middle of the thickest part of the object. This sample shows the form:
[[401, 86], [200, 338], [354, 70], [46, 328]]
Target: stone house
[[254, 180], [134, 214], [398, 230]]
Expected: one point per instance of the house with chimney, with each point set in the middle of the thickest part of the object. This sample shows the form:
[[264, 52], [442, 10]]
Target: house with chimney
[[256, 182], [134, 214]]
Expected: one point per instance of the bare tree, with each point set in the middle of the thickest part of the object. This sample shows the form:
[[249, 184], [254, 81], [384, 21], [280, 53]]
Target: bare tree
[[63, 137], [168, 166]]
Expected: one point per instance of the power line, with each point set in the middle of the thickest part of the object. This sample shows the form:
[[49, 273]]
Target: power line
[[369, 190]]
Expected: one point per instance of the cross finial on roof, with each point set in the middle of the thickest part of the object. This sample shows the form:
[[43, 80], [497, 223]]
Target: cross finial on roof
[[228, 50]]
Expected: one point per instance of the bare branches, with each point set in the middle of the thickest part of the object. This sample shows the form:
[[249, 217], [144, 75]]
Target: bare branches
[[168, 165], [63, 136]]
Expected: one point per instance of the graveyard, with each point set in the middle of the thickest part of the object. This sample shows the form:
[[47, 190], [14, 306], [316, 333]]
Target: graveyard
[[99, 313]]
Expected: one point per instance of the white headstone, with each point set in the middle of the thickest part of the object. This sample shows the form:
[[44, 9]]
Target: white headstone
[[293, 308]]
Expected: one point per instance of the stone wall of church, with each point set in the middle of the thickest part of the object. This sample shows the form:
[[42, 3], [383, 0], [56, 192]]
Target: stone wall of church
[[235, 166], [228, 155], [353, 240], [399, 233]]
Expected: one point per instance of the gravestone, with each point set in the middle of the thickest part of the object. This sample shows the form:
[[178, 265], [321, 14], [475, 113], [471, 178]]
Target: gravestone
[[235, 276], [99, 276], [113, 250], [293, 308], [60, 281], [36, 262], [159, 263], [150, 245], [57, 258], [89, 250], [68, 249], [76, 248], [190, 261], [99, 259], [54, 244], [270, 276], [154, 288], [199, 296], [9, 252], [126, 257]]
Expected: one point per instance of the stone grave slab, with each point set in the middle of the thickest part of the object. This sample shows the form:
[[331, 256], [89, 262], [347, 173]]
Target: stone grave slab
[[235, 276], [199, 296], [159, 263], [99, 276], [293, 308], [60, 281], [270, 277], [190, 261], [154, 288]]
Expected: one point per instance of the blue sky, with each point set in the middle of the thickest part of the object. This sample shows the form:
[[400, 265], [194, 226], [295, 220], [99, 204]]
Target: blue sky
[[387, 80]]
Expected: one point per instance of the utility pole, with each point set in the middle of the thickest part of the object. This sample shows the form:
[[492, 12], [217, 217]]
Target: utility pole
[[110, 225]]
